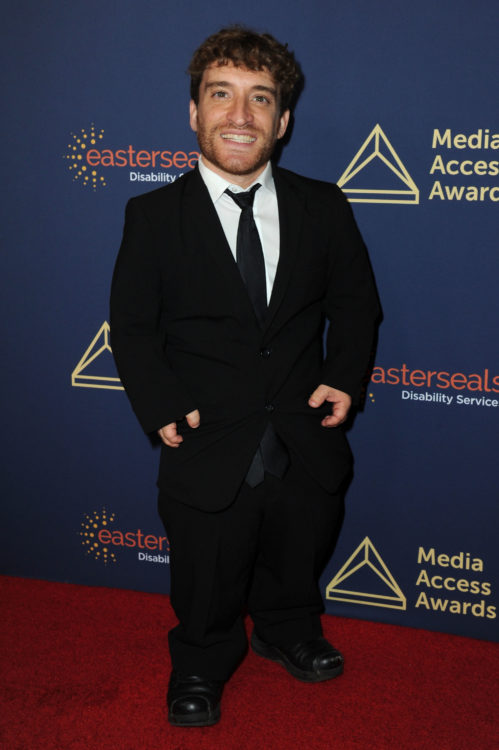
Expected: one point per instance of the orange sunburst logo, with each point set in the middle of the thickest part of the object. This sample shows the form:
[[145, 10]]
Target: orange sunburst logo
[[91, 525], [76, 157]]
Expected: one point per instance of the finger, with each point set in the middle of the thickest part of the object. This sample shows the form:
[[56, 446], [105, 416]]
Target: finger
[[193, 418], [339, 415], [170, 432], [332, 421], [318, 396], [169, 436]]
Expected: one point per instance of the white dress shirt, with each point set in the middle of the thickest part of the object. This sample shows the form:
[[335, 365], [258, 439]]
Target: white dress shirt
[[265, 212]]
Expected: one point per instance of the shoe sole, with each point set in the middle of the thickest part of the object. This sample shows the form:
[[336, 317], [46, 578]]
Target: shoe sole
[[195, 720], [273, 654]]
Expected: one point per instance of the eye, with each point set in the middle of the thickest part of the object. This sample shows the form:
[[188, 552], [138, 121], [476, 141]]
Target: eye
[[262, 98], [219, 94]]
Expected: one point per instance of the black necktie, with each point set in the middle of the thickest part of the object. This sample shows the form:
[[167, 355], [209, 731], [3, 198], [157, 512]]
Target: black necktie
[[271, 455], [249, 253]]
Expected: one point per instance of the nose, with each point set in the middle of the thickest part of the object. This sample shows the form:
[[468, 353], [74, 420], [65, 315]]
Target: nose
[[239, 112]]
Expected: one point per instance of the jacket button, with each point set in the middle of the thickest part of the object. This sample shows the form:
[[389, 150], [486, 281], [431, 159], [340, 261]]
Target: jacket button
[[269, 407], [265, 353]]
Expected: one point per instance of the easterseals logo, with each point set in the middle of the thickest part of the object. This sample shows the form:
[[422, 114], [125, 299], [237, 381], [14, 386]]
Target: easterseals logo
[[91, 528], [104, 542], [77, 157], [476, 389], [91, 163]]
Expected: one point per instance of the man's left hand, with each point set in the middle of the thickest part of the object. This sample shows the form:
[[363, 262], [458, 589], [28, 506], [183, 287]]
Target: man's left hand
[[341, 404]]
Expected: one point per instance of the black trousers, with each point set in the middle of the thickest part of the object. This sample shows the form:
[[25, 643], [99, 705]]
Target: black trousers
[[265, 552]]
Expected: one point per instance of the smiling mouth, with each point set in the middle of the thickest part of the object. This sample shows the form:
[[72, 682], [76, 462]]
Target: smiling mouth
[[238, 137]]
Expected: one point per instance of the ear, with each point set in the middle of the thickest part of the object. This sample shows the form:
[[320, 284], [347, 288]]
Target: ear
[[283, 123], [193, 115]]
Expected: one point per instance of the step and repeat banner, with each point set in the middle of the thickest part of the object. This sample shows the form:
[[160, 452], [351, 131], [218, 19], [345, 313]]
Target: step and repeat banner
[[400, 109]]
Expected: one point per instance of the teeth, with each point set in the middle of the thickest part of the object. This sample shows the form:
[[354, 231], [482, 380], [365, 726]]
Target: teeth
[[240, 138]]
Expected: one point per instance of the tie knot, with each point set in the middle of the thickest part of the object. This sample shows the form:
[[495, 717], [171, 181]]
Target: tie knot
[[244, 200]]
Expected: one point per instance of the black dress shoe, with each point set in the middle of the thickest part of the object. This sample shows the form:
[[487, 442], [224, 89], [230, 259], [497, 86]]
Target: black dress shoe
[[193, 701], [310, 661]]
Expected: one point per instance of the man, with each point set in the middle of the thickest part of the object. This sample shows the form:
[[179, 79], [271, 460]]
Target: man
[[220, 292]]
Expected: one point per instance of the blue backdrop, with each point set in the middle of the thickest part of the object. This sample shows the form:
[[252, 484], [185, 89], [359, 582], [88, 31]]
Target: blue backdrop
[[400, 107]]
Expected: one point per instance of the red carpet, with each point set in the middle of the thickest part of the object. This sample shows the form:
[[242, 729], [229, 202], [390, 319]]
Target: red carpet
[[86, 669]]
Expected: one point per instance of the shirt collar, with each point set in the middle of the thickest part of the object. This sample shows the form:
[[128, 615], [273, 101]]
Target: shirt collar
[[217, 185]]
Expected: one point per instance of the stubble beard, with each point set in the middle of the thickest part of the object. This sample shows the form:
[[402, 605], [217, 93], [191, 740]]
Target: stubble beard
[[209, 139]]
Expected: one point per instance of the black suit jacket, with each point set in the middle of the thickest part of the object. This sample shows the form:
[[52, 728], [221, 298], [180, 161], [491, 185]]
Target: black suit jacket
[[184, 334]]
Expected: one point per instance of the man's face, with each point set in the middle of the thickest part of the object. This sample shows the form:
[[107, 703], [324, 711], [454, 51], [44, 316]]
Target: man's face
[[237, 121]]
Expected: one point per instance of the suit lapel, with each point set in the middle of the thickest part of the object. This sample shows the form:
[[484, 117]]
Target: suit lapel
[[291, 209], [201, 228]]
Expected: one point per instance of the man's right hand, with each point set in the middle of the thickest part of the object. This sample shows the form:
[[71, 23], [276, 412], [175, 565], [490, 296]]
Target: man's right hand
[[169, 435]]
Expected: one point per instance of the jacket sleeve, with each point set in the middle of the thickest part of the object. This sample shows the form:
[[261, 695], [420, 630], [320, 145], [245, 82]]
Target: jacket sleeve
[[351, 304], [156, 395]]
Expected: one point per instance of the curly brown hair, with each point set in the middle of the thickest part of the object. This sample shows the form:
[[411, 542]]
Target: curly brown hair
[[244, 47]]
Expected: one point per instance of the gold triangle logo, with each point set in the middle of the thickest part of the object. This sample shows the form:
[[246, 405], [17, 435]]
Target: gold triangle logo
[[83, 377], [378, 148], [342, 587]]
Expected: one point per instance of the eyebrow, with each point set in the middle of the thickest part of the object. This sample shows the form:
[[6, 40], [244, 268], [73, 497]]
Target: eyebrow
[[228, 84]]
